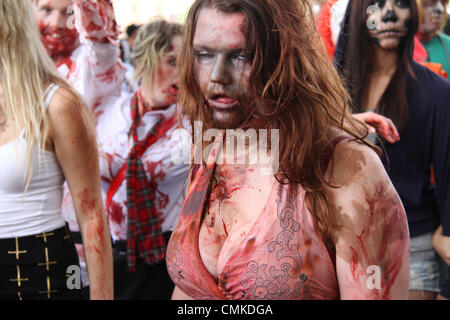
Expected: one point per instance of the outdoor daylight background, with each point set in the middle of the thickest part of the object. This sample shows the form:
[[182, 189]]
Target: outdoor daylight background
[[140, 11]]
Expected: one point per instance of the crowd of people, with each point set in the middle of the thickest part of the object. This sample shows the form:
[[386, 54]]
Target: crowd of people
[[354, 202]]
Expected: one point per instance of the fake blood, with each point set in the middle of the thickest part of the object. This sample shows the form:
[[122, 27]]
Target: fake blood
[[116, 213], [385, 216], [222, 191], [63, 45], [87, 205]]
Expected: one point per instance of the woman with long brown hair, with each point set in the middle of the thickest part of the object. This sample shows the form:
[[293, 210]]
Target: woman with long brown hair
[[326, 221], [382, 77]]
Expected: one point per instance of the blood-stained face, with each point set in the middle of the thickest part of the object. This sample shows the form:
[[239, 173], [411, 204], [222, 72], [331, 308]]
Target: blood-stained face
[[164, 91], [58, 32], [222, 66], [394, 24], [433, 15]]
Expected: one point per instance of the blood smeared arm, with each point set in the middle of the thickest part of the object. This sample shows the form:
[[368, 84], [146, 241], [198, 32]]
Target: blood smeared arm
[[100, 71], [74, 143], [372, 242], [382, 125]]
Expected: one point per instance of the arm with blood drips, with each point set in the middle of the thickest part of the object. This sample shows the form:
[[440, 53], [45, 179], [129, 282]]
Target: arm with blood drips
[[100, 73], [372, 240], [76, 150]]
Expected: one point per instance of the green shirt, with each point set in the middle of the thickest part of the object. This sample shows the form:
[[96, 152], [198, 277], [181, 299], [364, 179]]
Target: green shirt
[[436, 51]]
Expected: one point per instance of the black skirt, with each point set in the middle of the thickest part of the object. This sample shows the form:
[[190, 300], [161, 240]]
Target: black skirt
[[39, 267]]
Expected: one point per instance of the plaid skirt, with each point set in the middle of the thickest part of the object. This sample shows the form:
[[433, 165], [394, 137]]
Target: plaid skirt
[[38, 267]]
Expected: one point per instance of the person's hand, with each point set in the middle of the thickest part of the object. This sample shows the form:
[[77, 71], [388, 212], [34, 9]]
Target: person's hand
[[377, 123], [441, 244]]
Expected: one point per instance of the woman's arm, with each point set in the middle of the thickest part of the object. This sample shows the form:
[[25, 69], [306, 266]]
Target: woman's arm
[[75, 147], [100, 72], [372, 242], [442, 245], [376, 123]]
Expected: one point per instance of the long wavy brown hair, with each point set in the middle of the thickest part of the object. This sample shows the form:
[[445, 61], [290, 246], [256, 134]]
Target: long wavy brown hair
[[296, 90], [356, 67]]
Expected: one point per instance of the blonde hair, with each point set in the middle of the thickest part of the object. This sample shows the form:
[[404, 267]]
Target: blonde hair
[[444, 19], [25, 72], [152, 41]]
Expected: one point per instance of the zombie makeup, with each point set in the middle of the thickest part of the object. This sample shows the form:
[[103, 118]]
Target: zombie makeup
[[393, 25], [164, 90], [222, 66], [433, 15], [59, 42], [59, 38]]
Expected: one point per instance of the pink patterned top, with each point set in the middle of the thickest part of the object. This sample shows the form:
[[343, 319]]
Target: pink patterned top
[[282, 256]]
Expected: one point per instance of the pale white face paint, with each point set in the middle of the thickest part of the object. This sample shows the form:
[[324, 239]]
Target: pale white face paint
[[222, 66], [164, 90]]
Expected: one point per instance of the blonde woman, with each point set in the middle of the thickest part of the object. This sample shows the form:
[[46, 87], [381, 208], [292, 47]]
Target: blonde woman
[[142, 186], [45, 138]]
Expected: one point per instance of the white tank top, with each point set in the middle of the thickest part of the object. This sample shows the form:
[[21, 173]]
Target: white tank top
[[39, 209]]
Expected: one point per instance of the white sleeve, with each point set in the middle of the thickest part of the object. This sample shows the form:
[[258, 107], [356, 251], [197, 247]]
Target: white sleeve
[[96, 70]]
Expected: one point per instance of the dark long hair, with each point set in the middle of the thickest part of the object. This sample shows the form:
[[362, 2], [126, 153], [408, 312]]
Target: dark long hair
[[356, 65], [296, 90]]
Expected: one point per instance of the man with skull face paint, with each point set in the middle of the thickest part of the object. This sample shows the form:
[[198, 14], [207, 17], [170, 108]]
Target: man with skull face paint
[[381, 76], [437, 43]]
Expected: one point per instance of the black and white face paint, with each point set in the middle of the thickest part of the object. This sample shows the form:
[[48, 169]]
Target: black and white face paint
[[393, 21], [433, 15]]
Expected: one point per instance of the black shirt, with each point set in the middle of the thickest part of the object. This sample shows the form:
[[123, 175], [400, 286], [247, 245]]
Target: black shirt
[[424, 142]]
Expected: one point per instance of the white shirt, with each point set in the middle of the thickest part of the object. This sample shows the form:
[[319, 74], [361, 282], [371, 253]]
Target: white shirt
[[115, 143], [38, 209]]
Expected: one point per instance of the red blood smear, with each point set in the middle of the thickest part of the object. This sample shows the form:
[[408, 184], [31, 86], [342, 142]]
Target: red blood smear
[[95, 230], [62, 47], [105, 11], [95, 106], [225, 228], [87, 206], [70, 64], [96, 238], [223, 191], [108, 76], [388, 256], [116, 213], [156, 172], [155, 169], [354, 265]]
